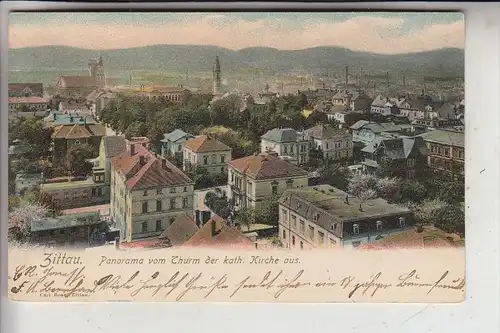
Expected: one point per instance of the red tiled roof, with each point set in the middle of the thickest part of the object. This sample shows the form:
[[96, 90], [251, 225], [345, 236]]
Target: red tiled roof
[[225, 236], [410, 239], [78, 131], [77, 81], [153, 173], [183, 228], [266, 166], [27, 100], [205, 144], [154, 243], [36, 88]]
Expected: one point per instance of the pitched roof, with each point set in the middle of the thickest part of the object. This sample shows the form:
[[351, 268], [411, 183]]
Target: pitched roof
[[77, 81], [329, 202], [325, 131], [175, 135], [27, 100], [281, 135], [153, 172], [410, 239], [266, 166], [65, 119], [17, 88], [451, 138], [379, 127], [181, 230], [114, 145], [78, 132], [205, 144], [224, 236]]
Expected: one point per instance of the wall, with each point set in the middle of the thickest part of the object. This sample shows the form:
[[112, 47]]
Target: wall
[[199, 159]]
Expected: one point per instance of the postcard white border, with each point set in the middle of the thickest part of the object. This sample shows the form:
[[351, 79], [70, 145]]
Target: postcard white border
[[482, 216]]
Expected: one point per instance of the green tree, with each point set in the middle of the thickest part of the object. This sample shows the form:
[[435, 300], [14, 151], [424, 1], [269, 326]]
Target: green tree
[[268, 211], [245, 217], [412, 191], [450, 218], [76, 160]]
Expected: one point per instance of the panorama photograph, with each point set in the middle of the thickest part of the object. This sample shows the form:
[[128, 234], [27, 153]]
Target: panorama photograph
[[258, 131]]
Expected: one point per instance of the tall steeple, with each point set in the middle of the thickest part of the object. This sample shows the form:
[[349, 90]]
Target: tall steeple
[[100, 60], [217, 85]]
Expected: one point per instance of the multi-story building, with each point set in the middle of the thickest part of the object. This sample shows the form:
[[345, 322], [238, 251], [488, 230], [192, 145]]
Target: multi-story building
[[27, 104], [74, 193], [334, 143], [326, 217], [110, 147], [446, 151], [255, 178], [147, 193], [66, 136], [25, 89], [208, 152], [173, 142], [403, 157], [353, 100], [80, 86], [288, 143]]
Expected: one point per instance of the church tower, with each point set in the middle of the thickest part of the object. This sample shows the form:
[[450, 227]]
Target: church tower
[[96, 71], [217, 85]]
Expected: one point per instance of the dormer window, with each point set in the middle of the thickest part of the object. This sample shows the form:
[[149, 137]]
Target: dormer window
[[145, 193], [402, 222], [298, 205], [355, 229], [316, 217], [380, 225]]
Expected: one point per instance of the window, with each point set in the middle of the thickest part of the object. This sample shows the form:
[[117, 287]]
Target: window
[[185, 189], [205, 160], [144, 227], [158, 191], [144, 207], [321, 237], [294, 222], [66, 195], [232, 177], [85, 193], [355, 228], [99, 192], [184, 202], [316, 217], [333, 242], [311, 232], [289, 183], [172, 203], [214, 159], [402, 222], [93, 192], [172, 190], [380, 225], [223, 158], [222, 170], [75, 195], [411, 162], [158, 225], [285, 149], [284, 234], [284, 214], [293, 240], [145, 193], [302, 227], [178, 147], [158, 205], [327, 145]]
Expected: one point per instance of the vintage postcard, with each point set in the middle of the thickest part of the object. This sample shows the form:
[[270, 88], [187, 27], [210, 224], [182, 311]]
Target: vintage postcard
[[232, 156]]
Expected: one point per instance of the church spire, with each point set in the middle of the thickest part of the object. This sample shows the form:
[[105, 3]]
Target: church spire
[[100, 60], [217, 85]]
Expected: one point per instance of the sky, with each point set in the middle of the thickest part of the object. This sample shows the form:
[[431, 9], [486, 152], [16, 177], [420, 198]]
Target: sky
[[387, 33]]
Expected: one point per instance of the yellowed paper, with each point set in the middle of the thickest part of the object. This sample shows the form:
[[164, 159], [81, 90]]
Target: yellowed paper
[[221, 276]]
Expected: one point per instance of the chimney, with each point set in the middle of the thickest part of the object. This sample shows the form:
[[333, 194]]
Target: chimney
[[132, 149], [142, 160], [71, 119], [214, 227], [347, 199], [360, 208]]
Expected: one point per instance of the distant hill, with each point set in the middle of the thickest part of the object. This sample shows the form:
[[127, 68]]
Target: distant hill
[[442, 62]]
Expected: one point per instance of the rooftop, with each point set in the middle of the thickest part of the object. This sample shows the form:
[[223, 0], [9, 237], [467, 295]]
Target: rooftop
[[66, 221], [451, 138], [281, 135], [175, 135], [330, 203], [266, 166], [179, 232], [205, 144], [113, 145], [326, 132], [68, 185], [27, 100]]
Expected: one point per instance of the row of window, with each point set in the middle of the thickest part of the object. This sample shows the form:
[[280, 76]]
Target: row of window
[[158, 225], [159, 205], [95, 192], [159, 191], [321, 238]]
